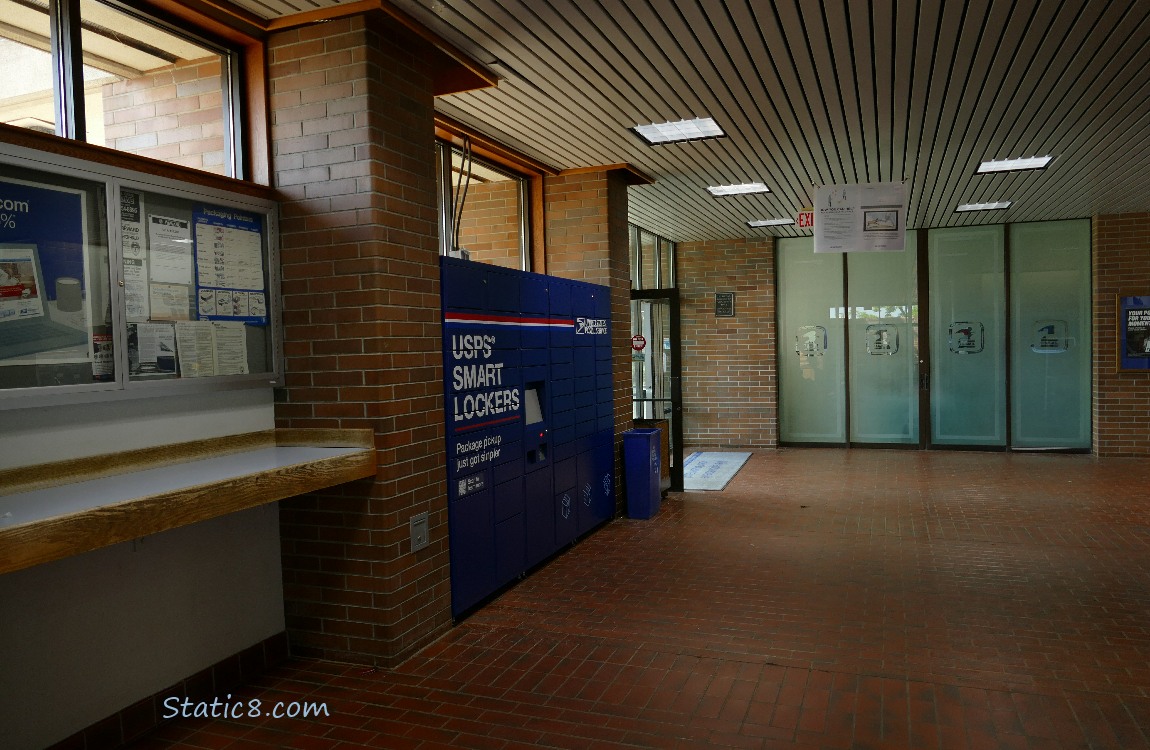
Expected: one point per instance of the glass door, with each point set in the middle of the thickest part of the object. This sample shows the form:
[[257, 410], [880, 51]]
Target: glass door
[[882, 327], [1050, 335], [656, 379], [812, 358], [967, 334]]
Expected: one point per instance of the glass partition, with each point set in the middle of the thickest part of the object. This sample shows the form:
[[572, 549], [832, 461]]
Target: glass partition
[[812, 398], [967, 334], [652, 260], [1050, 334], [1049, 321], [648, 260], [666, 264]]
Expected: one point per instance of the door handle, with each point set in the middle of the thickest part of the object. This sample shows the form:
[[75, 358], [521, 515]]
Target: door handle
[[924, 381]]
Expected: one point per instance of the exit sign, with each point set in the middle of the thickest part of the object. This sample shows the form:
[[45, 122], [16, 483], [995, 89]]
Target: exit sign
[[806, 220]]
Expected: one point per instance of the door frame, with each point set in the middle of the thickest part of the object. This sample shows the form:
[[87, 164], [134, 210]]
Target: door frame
[[671, 296]]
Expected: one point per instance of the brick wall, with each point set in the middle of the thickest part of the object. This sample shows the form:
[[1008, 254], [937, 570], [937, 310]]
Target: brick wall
[[730, 381], [1121, 265], [354, 161], [490, 226], [174, 113], [587, 236]]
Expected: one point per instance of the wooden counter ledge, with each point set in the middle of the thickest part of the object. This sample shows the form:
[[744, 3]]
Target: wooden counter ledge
[[52, 511]]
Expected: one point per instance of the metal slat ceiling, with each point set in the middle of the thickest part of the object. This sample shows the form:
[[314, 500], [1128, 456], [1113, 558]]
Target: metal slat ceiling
[[814, 93]]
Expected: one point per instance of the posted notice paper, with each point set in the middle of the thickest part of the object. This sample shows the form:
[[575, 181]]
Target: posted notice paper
[[208, 348], [170, 243], [860, 218]]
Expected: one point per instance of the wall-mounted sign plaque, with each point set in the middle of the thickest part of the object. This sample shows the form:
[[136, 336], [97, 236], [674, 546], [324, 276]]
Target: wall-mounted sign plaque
[[724, 304]]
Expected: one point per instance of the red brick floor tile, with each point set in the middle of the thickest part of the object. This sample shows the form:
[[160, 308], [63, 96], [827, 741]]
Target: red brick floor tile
[[839, 600]]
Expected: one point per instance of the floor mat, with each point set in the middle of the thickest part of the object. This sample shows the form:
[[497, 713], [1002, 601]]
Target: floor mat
[[711, 471]]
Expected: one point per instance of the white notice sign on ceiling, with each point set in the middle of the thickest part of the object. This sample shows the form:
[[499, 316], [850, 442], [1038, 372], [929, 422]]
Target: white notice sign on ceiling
[[860, 218]]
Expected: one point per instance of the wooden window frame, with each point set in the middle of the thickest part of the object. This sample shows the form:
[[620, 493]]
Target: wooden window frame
[[241, 37], [454, 132]]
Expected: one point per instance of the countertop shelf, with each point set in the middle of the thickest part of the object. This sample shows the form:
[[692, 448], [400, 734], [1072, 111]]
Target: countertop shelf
[[52, 511]]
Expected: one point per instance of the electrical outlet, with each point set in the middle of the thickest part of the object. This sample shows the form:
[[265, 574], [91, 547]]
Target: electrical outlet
[[420, 534]]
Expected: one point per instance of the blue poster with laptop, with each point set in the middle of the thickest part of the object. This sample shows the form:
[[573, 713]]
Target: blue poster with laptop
[[43, 273]]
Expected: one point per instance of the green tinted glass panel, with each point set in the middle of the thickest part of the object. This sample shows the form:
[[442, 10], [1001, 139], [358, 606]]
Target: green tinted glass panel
[[1050, 334], [812, 396], [967, 326], [883, 326]]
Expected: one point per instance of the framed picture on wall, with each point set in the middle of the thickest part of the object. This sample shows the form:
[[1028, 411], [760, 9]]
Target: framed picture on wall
[[1133, 333]]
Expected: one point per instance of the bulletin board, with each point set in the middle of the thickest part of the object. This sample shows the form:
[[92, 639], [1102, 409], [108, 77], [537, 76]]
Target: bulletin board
[[118, 284], [195, 287]]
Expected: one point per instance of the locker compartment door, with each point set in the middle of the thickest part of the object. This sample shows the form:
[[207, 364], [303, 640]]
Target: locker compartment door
[[566, 516], [472, 533], [539, 516], [510, 550]]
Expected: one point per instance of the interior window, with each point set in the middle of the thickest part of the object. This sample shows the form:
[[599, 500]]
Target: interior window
[[26, 98], [146, 90], [487, 206], [152, 92]]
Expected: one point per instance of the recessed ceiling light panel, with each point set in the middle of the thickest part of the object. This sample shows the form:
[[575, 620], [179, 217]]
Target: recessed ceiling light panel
[[683, 130], [770, 222], [1014, 165], [743, 189], [997, 206]]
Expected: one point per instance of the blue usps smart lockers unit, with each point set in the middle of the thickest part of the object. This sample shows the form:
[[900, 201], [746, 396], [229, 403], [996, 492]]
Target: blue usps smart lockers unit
[[530, 420]]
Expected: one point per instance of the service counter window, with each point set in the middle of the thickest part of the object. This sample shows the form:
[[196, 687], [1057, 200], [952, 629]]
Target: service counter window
[[113, 286]]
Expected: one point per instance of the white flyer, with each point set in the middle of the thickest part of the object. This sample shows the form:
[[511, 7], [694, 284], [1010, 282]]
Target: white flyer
[[170, 245], [860, 218]]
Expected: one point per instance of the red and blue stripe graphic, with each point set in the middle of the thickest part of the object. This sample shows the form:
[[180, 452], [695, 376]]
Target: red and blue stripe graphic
[[460, 318]]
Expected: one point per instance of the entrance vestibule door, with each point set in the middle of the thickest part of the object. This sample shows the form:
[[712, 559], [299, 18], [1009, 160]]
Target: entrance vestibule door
[[656, 378]]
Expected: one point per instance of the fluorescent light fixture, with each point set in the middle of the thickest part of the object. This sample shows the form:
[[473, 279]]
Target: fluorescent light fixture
[[983, 206], [683, 130], [1014, 165], [743, 189], [770, 222]]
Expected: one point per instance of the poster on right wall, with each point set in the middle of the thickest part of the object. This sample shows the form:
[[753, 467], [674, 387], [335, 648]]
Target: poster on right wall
[[1133, 333]]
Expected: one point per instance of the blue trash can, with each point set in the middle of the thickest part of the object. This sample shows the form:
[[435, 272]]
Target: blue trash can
[[641, 461]]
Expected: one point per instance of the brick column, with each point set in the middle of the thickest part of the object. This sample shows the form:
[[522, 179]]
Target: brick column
[[1121, 265], [353, 144], [730, 378], [587, 240]]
